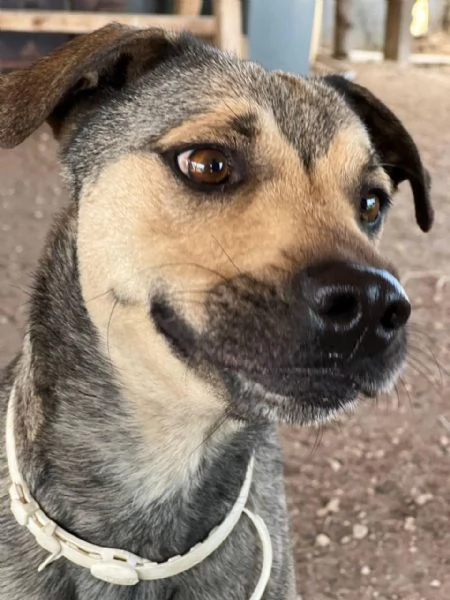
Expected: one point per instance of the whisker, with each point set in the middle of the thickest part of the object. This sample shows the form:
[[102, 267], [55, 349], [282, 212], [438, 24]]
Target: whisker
[[108, 327], [442, 370], [415, 367], [405, 387], [397, 395], [227, 255], [26, 291], [214, 429], [318, 439], [416, 353], [191, 264], [165, 266]]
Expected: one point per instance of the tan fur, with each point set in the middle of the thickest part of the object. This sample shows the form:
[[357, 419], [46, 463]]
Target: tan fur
[[213, 126], [141, 229]]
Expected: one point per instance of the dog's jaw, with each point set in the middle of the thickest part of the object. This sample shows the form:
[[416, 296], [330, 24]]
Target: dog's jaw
[[260, 382]]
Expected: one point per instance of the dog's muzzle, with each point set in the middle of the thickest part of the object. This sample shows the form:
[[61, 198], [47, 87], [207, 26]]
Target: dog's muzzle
[[301, 350]]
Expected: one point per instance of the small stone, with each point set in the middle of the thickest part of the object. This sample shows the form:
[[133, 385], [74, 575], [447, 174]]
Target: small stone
[[38, 214], [444, 441], [335, 465], [331, 507], [360, 531], [435, 583], [346, 539], [365, 570], [423, 499], [413, 549], [322, 540], [410, 524]]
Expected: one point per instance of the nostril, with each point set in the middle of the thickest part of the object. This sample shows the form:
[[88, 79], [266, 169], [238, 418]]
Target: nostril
[[396, 315], [339, 307]]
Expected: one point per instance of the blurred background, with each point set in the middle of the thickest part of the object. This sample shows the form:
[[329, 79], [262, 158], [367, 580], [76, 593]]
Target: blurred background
[[369, 498]]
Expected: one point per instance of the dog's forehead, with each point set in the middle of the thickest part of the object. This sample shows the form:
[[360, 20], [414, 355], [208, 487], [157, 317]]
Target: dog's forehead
[[201, 80], [307, 111], [309, 114]]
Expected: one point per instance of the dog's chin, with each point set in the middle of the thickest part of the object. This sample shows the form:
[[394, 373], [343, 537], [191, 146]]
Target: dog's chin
[[295, 395], [252, 401], [324, 396]]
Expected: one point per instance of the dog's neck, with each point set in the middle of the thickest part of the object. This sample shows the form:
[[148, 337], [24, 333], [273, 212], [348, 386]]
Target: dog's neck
[[80, 449]]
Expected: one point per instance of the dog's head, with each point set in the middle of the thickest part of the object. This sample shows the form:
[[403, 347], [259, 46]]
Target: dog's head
[[228, 219]]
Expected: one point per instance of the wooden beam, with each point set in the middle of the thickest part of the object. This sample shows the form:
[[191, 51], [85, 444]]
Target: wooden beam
[[397, 35], [229, 25], [342, 26], [83, 22], [187, 7], [316, 31]]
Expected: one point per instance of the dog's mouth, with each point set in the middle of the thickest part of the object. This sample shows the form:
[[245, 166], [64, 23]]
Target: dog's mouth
[[269, 376]]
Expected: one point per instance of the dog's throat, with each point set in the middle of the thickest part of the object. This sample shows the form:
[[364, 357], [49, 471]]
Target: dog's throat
[[119, 566]]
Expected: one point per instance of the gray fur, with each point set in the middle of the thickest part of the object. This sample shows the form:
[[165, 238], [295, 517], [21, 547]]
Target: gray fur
[[75, 434], [72, 468]]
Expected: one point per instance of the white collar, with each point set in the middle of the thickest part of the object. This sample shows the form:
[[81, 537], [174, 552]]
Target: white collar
[[119, 566]]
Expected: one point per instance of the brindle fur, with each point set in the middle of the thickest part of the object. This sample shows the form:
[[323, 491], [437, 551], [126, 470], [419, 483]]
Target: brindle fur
[[121, 439]]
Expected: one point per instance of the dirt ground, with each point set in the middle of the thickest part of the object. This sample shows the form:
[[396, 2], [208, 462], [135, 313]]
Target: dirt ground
[[370, 497]]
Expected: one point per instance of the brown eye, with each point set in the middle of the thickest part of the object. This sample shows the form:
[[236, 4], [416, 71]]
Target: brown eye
[[204, 165], [370, 208]]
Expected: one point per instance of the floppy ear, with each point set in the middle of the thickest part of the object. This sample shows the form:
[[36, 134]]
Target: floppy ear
[[112, 55], [396, 148]]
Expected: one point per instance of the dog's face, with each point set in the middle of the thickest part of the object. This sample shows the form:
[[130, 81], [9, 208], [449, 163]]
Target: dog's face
[[228, 219]]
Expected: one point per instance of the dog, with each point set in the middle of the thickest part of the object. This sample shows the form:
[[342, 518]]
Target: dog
[[216, 273]]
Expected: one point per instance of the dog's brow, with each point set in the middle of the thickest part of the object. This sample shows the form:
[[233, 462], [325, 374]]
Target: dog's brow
[[373, 162], [245, 125]]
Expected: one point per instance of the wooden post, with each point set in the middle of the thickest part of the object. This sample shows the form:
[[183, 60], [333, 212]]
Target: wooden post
[[316, 31], [397, 35], [188, 7], [342, 25], [229, 25], [446, 17]]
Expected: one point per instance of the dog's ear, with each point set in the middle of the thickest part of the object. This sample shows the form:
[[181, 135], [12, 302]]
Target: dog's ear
[[396, 148], [46, 90]]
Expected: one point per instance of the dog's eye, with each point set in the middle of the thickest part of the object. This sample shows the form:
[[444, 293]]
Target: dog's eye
[[205, 165], [370, 207]]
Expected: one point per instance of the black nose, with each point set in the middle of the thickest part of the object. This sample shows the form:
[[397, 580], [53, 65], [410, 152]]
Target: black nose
[[348, 300]]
